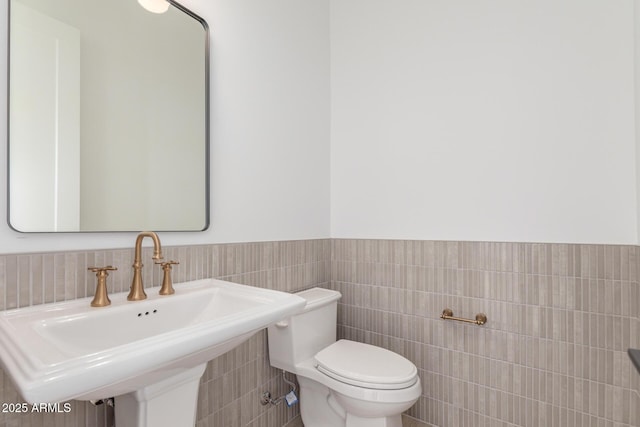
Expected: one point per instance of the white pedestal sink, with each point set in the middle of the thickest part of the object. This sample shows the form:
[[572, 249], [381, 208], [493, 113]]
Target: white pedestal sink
[[149, 354]]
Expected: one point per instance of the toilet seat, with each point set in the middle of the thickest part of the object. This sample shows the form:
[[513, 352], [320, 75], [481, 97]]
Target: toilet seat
[[366, 366]]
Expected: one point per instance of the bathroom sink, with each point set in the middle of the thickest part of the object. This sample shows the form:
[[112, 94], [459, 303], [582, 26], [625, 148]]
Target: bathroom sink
[[69, 350]]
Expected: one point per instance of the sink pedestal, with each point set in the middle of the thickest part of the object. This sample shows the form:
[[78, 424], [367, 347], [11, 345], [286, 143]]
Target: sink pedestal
[[170, 402]]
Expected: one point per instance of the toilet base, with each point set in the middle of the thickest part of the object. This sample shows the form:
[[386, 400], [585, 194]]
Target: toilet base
[[392, 421], [314, 405], [323, 407]]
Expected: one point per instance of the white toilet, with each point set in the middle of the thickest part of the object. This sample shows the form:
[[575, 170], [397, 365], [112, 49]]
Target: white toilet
[[343, 383]]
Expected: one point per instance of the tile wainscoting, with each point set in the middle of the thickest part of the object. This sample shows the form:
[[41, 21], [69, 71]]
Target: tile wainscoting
[[232, 384], [553, 352]]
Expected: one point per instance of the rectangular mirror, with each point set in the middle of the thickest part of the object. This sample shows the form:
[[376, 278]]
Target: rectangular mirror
[[108, 117]]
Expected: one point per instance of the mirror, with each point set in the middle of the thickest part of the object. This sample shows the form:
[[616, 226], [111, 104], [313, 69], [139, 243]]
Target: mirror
[[108, 117]]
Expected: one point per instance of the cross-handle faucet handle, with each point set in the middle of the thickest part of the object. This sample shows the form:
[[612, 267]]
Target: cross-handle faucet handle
[[99, 269], [167, 283], [101, 299]]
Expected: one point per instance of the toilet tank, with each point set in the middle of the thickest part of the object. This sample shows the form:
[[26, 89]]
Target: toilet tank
[[301, 336]]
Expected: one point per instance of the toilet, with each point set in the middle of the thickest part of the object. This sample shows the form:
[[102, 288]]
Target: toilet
[[342, 383]]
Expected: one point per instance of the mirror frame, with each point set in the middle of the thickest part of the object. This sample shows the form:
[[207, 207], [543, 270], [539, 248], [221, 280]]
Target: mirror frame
[[207, 133]]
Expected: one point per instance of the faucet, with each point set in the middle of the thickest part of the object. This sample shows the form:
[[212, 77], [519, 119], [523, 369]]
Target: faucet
[[137, 291]]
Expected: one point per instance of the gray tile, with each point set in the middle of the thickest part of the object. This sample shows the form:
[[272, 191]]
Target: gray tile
[[242, 373], [553, 351], [565, 314]]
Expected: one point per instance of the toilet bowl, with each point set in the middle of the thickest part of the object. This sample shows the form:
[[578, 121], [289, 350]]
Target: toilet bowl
[[342, 383]]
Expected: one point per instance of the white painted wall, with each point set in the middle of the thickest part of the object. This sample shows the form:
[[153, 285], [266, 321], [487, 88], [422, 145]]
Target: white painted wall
[[270, 128], [450, 119], [637, 110], [493, 120]]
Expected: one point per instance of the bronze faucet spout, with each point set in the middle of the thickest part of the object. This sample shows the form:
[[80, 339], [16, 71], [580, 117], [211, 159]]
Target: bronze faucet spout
[[137, 290]]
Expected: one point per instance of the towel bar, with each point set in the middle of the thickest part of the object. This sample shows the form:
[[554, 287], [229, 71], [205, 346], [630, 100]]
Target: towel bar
[[480, 319]]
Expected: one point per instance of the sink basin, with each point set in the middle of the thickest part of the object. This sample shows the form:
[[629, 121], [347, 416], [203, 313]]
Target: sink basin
[[69, 350]]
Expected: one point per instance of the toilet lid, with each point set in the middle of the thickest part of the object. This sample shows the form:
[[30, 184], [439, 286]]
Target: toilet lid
[[365, 365]]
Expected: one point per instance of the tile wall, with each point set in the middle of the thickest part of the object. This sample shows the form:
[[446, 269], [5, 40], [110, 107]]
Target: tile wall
[[232, 383], [553, 352]]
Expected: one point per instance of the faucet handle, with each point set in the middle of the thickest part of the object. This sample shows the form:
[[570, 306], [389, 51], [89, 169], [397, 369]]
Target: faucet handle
[[166, 263], [99, 269], [101, 299], [167, 283]]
